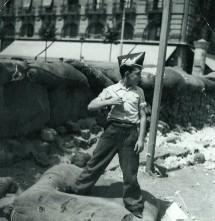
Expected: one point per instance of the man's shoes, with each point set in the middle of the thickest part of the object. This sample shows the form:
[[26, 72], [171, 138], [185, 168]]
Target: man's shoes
[[69, 189], [138, 213]]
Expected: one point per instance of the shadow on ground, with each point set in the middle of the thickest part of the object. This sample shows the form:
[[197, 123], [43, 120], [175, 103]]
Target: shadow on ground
[[115, 190]]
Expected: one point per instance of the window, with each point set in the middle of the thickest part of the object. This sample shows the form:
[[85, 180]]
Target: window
[[154, 33], [128, 3], [30, 30], [95, 29], [47, 3], [27, 4], [27, 30], [9, 29], [128, 31], [72, 2], [97, 4], [70, 30]]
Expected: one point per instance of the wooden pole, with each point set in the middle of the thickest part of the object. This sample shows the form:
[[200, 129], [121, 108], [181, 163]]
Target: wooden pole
[[158, 85], [122, 30]]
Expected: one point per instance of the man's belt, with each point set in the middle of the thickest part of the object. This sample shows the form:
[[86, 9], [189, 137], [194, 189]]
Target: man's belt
[[123, 124]]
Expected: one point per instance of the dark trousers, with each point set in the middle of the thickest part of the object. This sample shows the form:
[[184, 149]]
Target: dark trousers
[[121, 140]]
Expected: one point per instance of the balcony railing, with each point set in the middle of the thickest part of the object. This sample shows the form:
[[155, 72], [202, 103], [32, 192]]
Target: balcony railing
[[129, 8], [151, 7], [26, 12], [43, 11], [70, 9], [8, 11], [99, 8]]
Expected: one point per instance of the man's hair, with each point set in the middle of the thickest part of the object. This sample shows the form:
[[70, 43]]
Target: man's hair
[[123, 68]]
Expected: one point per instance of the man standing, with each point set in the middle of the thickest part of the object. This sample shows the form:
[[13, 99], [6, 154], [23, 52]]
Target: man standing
[[123, 135]]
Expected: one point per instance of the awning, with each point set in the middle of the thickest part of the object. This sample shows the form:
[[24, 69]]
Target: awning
[[210, 61], [90, 51], [47, 3], [27, 4], [24, 48]]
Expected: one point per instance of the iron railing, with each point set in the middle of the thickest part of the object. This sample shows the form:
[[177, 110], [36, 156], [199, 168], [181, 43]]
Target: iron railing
[[70, 9], [99, 8], [129, 8]]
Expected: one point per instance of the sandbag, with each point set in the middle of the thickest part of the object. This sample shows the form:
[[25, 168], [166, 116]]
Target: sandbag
[[68, 103], [96, 78], [7, 185], [46, 201], [209, 81], [12, 70], [147, 80], [110, 70], [55, 74], [173, 78], [25, 108]]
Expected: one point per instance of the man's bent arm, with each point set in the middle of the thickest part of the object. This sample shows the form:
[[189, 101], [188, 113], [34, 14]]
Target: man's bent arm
[[97, 103], [142, 126]]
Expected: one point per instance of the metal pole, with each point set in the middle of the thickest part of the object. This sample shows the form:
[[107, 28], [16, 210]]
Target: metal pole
[[183, 33], [185, 20], [46, 50], [122, 29], [158, 85], [81, 50]]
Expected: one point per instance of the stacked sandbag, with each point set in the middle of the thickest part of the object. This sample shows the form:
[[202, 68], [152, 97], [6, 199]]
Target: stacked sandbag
[[25, 108], [110, 70], [11, 70], [186, 99], [51, 75], [96, 78]]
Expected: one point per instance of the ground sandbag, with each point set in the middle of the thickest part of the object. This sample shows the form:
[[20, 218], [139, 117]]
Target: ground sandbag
[[45, 201], [7, 185]]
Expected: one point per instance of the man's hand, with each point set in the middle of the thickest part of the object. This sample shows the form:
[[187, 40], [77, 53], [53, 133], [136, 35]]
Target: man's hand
[[115, 101], [139, 146]]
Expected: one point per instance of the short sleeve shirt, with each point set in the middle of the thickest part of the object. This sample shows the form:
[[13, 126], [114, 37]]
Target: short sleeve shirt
[[133, 102]]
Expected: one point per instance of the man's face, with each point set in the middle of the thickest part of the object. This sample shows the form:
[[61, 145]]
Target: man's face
[[134, 77]]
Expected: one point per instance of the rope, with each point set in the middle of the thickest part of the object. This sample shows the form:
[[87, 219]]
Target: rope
[[17, 75], [45, 49]]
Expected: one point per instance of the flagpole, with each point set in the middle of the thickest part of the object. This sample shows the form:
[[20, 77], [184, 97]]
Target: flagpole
[[122, 29]]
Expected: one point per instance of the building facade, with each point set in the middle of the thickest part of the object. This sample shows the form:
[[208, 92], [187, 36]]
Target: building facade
[[89, 19]]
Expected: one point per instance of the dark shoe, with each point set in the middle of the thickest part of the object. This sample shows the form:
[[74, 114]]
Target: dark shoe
[[138, 213], [68, 189]]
